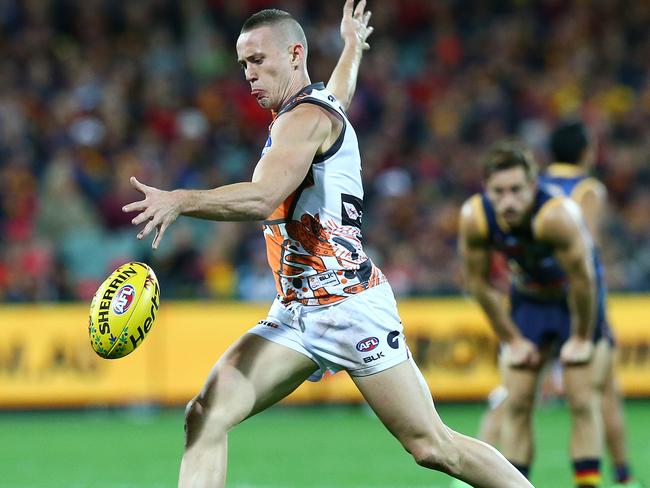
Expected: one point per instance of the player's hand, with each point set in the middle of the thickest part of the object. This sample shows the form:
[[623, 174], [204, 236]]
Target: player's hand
[[159, 209], [354, 26], [576, 351], [521, 353]]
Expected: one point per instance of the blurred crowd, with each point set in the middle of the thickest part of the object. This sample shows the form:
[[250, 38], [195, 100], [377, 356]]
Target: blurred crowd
[[94, 91]]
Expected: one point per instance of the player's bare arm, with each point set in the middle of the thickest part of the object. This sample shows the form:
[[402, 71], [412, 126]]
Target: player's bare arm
[[593, 203], [475, 257], [297, 137], [354, 32], [561, 225]]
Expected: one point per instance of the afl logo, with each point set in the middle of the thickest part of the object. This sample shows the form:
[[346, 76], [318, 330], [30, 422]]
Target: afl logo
[[123, 299], [367, 344]]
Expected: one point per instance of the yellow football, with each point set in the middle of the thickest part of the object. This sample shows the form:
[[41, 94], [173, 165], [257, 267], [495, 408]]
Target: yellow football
[[123, 310]]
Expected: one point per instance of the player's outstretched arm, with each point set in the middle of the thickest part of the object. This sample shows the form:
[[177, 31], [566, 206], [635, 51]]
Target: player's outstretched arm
[[560, 223], [354, 31], [297, 136], [475, 257]]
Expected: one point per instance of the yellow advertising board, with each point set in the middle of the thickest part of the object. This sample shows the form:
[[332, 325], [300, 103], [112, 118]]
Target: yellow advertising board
[[46, 359]]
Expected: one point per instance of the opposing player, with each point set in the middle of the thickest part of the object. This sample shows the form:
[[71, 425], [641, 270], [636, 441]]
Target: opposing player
[[570, 175], [333, 306], [556, 302]]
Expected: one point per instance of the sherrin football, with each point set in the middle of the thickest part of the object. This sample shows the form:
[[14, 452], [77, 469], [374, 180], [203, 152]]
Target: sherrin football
[[123, 310]]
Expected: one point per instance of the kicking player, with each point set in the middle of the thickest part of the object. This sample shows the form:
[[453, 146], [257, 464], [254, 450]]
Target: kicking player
[[334, 310], [557, 302]]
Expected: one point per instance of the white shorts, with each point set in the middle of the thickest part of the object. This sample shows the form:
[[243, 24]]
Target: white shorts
[[362, 334]]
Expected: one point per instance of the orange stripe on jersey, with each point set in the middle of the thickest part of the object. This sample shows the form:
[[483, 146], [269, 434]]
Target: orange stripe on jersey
[[313, 262], [282, 212], [312, 235]]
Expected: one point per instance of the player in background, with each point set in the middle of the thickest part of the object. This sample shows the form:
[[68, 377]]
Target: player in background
[[570, 174], [556, 302], [334, 310]]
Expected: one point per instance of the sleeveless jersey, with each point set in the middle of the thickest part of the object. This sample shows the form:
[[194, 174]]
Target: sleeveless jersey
[[566, 179], [532, 262], [313, 239], [571, 181]]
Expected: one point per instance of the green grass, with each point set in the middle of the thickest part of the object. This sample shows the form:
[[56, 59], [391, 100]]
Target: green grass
[[333, 447]]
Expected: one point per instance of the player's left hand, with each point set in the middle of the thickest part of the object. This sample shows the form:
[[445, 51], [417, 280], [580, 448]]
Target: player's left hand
[[354, 26], [159, 209], [576, 351]]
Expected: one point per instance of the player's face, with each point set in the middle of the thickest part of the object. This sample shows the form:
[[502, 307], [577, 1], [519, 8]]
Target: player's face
[[512, 194], [266, 66]]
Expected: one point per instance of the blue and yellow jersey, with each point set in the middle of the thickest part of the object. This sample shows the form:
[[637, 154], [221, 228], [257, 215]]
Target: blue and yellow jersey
[[572, 181], [567, 179], [532, 262]]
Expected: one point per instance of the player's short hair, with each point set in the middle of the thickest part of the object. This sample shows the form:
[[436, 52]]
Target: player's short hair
[[275, 17], [569, 141], [506, 155]]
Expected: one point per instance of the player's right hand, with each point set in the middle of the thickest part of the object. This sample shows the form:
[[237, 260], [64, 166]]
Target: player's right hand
[[159, 210], [354, 25], [521, 353]]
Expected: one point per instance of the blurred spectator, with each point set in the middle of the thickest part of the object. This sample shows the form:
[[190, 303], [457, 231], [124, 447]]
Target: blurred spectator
[[93, 92]]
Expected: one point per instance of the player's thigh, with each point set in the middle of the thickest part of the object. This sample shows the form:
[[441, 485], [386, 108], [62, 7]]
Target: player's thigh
[[582, 380], [611, 389], [603, 363], [253, 374], [521, 384], [402, 401]]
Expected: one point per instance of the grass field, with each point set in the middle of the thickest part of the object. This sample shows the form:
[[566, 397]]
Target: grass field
[[324, 447]]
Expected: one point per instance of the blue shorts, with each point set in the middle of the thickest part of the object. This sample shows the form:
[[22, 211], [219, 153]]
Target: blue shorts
[[548, 322]]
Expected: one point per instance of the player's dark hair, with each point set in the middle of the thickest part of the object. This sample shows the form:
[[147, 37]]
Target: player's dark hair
[[273, 17], [569, 141], [506, 155]]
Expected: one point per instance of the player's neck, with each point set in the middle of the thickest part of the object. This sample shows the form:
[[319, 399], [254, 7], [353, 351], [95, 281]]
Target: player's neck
[[297, 82]]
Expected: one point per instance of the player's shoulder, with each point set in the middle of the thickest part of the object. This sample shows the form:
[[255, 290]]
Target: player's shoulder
[[589, 187], [556, 216], [473, 221], [305, 117]]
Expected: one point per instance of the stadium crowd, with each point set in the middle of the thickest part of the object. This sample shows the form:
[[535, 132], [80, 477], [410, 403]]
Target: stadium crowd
[[93, 92]]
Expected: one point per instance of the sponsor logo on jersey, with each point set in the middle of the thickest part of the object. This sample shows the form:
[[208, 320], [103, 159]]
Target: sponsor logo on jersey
[[323, 279], [268, 324], [123, 299], [374, 357], [351, 210], [367, 344], [392, 339]]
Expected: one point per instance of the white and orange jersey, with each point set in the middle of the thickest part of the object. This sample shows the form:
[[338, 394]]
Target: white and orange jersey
[[313, 239]]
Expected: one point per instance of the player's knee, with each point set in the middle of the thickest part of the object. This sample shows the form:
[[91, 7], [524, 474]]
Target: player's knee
[[519, 405], [581, 405], [194, 416], [440, 455]]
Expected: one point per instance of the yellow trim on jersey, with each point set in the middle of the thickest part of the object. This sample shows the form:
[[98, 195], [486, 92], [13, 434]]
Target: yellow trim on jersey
[[583, 187], [479, 214], [566, 170], [553, 202], [503, 225]]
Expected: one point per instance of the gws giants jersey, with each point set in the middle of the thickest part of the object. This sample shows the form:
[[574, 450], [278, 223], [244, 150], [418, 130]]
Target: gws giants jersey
[[313, 239]]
